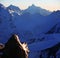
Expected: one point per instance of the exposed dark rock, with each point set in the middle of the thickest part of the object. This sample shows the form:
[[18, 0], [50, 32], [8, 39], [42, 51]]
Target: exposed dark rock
[[1, 49], [15, 49], [51, 51]]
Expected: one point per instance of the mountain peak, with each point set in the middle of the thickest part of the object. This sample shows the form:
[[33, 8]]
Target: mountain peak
[[33, 5], [13, 9], [35, 9], [56, 13], [2, 6]]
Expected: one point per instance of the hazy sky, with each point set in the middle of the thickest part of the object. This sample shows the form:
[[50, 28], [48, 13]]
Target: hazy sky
[[23, 4]]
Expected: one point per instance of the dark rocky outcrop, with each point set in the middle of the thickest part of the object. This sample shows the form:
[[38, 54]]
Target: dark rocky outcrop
[[51, 51], [15, 49], [1, 49]]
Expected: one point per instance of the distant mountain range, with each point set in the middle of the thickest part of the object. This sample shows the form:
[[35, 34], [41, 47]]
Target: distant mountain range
[[34, 10], [27, 25], [38, 27], [31, 9], [6, 23]]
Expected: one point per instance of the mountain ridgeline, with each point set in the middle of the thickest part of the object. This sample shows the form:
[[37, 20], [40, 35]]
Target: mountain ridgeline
[[29, 23], [31, 9], [38, 27]]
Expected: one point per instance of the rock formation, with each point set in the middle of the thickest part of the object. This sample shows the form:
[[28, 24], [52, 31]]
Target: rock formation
[[15, 49]]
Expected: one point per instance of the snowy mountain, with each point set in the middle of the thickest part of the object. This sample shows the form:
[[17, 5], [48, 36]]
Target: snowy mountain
[[6, 24], [29, 25], [13, 9], [56, 27], [31, 9], [38, 31], [37, 48], [34, 9], [34, 25]]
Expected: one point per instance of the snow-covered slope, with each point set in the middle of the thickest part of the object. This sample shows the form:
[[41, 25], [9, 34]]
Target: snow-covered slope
[[37, 47], [56, 27], [6, 24], [34, 9], [28, 25], [31, 28], [43, 45], [15, 9], [33, 25]]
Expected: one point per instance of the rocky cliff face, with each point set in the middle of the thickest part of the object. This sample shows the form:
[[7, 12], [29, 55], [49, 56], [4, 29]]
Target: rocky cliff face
[[14, 49]]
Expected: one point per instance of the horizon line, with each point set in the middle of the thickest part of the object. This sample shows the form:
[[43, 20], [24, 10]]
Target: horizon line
[[28, 7]]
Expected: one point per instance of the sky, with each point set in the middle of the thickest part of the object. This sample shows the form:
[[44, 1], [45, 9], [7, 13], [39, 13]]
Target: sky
[[51, 5]]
